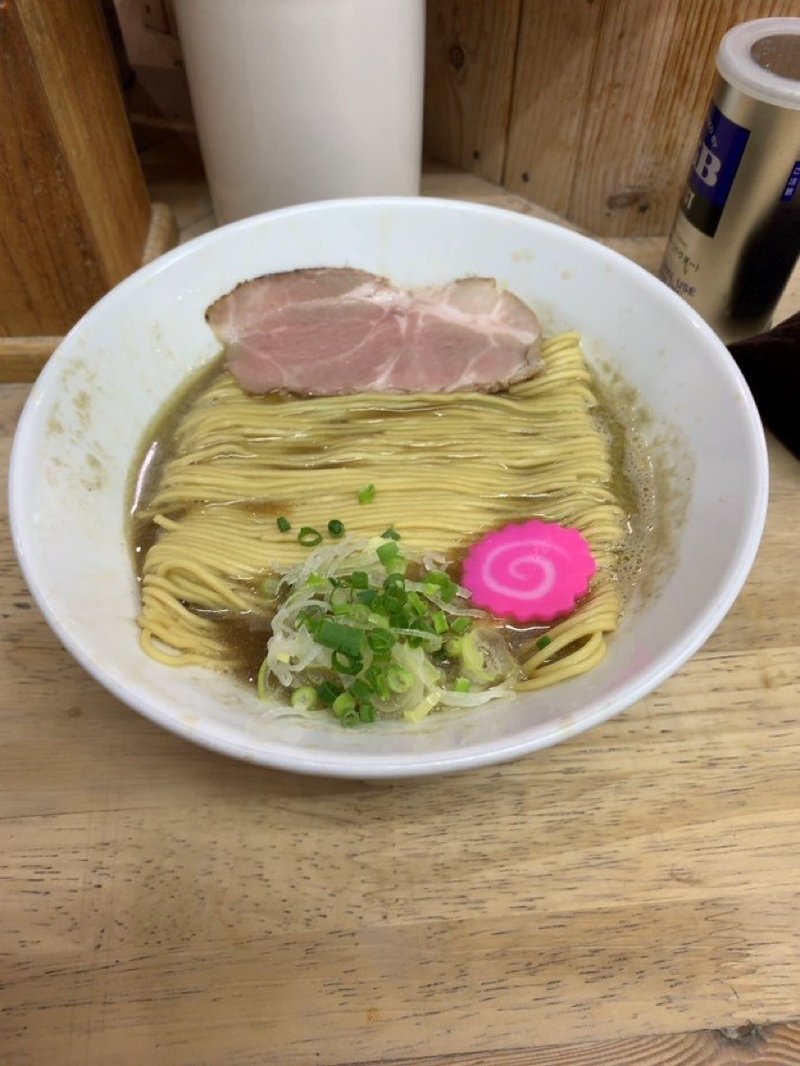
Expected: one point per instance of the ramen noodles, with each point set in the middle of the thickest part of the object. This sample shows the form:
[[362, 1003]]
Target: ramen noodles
[[231, 480]]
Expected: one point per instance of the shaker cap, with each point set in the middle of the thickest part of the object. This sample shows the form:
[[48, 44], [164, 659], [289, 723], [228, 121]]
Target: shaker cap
[[762, 59]]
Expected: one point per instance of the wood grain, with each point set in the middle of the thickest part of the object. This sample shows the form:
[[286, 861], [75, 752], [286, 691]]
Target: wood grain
[[620, 92], [553, 89], [73, 204], [47, 272], [469, 71], [606, 102], [21, 358], [776, 1045], [444, 181], [628, 897]]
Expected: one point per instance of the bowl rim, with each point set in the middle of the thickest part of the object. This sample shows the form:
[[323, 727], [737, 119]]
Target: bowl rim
[[362, 765]]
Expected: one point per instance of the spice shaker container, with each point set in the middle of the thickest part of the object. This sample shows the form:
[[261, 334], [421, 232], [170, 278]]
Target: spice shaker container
[[736, 236]]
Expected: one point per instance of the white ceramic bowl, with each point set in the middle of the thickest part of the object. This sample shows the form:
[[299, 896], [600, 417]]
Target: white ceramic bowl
[[87, 414]]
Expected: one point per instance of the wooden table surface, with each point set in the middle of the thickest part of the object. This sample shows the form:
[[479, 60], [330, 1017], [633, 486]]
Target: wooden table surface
[[631, 896]]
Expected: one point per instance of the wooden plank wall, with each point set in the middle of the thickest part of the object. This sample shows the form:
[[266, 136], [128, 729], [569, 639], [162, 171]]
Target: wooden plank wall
[[591, 108], [74, 208]]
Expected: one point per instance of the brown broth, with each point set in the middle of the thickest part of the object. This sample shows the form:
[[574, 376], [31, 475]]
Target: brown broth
[[153, 454]]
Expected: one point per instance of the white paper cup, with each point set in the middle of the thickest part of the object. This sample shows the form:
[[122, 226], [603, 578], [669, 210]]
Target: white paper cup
[[302, 100]]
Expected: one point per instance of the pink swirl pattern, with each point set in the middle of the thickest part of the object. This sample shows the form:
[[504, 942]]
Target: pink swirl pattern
[[533, 572]]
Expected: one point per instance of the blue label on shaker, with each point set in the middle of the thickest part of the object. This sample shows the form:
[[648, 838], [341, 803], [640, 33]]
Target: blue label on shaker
[[791, 184], [719, 154]]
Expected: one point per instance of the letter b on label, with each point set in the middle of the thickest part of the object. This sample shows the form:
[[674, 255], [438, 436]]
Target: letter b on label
[[713, 170], [707, 166]]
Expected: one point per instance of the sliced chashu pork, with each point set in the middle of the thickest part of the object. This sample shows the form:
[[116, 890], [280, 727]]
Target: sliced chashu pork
[[333, 330]]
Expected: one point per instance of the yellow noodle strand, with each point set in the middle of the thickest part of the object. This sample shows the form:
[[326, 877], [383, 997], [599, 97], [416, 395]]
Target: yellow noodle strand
[[447, 468]]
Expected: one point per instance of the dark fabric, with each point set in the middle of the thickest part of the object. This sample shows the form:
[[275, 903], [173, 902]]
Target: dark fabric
[[770, 363]]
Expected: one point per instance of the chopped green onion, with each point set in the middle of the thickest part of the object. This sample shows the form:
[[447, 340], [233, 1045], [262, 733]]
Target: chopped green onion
[[346, 663], [343, 703], [388, 551], [376, 677], [359, 579], [473, 658], [367, 494], [483, 654], [309, 537], [332, 634], [424, 707], [453, 647], [328, 692], [366, 711], [394, 600], [542, 642], [284, 525], [380, 640], [360, 690], [304, 698], [417, 604], [441, 584], [398, 678]]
